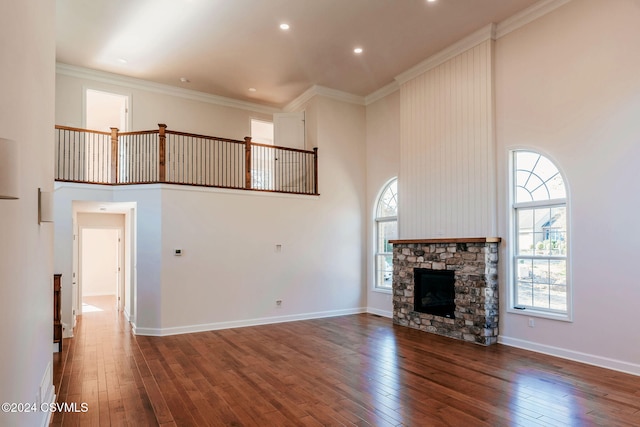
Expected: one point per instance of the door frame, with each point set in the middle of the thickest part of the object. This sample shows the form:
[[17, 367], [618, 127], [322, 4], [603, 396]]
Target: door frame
[[120, 277]]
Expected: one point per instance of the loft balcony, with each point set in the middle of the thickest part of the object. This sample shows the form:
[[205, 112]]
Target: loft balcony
[[165, 156]]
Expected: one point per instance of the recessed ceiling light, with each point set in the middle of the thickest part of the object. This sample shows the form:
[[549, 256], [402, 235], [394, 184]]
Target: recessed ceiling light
[[184, 80], [431, 1], [284, 26], [357, 50], [122, 60], [252, 89]]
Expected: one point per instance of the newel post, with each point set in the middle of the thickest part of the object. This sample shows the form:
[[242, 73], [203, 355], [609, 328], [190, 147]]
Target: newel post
[[315, 170], [162, 150], [247, 162], [114, 155]]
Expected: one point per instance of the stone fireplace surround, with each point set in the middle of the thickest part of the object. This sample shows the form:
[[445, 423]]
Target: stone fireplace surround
[[475, 262]]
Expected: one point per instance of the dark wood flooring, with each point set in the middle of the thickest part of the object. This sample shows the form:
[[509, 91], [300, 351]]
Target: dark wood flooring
[[344, 371]]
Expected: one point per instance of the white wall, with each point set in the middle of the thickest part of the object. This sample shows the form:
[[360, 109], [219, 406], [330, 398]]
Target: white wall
[[568, 85], [149, 106], [230, 272], [27, 31], [383, 163]]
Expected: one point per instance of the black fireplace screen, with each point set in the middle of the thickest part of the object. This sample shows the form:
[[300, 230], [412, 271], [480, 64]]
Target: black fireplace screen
[[434, 292]]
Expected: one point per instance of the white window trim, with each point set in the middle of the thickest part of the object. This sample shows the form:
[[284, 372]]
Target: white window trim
[[511, 248], [376, 253], [376, 221]]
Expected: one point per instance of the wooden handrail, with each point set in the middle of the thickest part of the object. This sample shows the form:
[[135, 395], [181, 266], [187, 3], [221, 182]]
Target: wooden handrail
[[139, 132], [195, 135], [82, 130]]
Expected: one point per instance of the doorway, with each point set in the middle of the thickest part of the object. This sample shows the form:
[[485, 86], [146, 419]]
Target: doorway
[[100, 266], [103, 250], [104, 110]]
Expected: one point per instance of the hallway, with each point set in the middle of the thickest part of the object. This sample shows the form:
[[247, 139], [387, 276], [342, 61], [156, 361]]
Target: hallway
[[98, 367]]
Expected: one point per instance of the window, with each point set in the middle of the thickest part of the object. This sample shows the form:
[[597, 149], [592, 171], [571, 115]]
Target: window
[[539, 241], [386, 228]]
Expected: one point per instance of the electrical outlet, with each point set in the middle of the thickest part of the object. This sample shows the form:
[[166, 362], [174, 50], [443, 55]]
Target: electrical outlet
[[532, 323]]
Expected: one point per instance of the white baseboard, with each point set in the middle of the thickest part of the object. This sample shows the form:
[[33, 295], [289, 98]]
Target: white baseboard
[[67, 332], [47, 393], [590, 359], [161, 332], [383, 313]]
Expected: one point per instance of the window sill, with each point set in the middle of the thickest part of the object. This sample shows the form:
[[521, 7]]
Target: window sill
[[383, 290], [531, 312]]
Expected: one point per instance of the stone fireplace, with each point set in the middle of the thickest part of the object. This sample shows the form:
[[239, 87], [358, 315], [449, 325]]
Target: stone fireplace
[[474, 263]]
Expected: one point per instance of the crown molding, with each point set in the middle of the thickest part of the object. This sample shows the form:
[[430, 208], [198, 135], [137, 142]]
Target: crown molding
[[528, 15], [326, 92], [298, 103], [132, 82], [339, 95], [381, 93], [489, 32], [472, 40]]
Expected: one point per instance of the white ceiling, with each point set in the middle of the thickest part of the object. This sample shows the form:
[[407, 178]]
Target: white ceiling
[[225, 47]]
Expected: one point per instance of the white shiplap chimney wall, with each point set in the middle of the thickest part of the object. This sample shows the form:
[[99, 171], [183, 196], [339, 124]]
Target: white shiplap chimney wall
[[447, 181]]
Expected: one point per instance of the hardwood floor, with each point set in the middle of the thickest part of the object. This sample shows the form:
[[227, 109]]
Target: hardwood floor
[[99, 367], [351, 370]]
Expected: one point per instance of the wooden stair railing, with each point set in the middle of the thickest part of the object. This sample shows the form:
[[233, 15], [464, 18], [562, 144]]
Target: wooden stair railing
[[166, 156]]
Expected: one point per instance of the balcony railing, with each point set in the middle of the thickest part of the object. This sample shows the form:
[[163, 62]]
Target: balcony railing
[[165, 156]]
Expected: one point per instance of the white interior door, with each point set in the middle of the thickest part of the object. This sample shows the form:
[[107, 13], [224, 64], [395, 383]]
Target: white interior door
[[121, 294], [288, 129], [289, 132]]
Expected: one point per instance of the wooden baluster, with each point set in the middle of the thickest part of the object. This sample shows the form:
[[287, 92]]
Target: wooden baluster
[[247, 162], [162, 139], [114, 156], [315, 170]]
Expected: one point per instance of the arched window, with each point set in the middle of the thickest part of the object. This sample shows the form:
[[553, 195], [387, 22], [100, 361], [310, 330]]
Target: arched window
[[540, 242], [386, 228]]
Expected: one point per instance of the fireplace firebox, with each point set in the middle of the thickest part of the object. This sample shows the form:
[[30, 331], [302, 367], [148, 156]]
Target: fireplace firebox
[[434, 292]]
